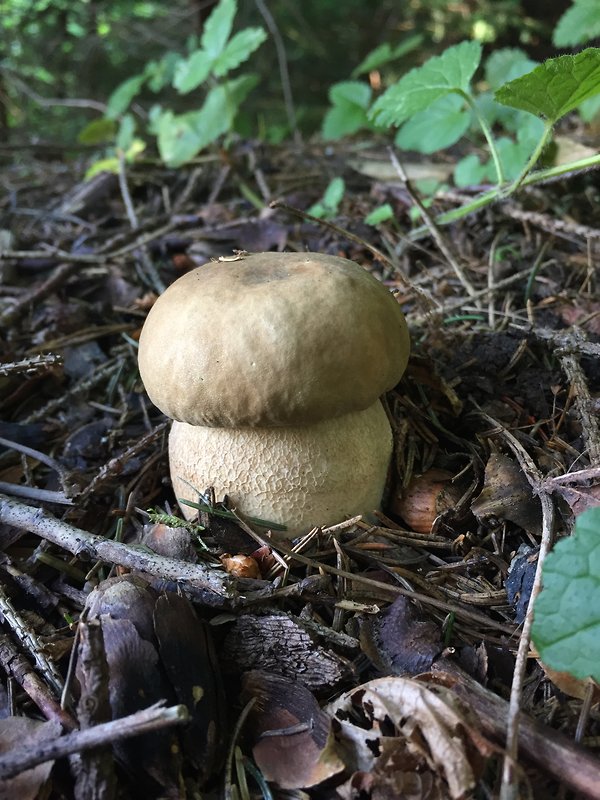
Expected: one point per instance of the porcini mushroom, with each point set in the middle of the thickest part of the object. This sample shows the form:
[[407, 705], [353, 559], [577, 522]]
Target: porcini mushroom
[[272, 367]]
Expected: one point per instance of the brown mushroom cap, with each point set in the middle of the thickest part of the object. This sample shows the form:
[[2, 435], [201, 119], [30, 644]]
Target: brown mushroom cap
[[272, 339]]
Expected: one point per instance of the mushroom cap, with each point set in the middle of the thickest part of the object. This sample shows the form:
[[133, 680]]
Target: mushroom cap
[[272, 339], [298, 476]]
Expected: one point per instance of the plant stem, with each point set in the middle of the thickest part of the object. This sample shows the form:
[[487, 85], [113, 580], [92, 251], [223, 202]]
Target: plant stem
[[487, 132], [533, 158], [487, 198]]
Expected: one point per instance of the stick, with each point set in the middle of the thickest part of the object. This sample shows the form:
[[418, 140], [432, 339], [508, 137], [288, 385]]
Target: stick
[[150, 719]]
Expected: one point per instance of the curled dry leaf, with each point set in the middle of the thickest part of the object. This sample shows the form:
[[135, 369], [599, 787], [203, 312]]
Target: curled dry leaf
[[425, 498], [292, 741], [240, 566], [401, 732], [507, 495]]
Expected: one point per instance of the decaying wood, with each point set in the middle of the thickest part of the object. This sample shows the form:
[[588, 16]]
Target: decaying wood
[[552, 752]]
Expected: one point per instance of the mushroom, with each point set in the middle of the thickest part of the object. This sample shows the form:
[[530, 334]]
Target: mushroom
[[272, 366]]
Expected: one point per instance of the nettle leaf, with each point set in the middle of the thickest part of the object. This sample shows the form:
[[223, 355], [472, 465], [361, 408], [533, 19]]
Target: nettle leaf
[[579, 23], [440, 126], [555, 87], [349, 112], [122, 96], [238, 49], [217, 28], [193, 71], [469, 171], [590, 108], [385, 53], [126, 132], [566, 626], [451, 72]]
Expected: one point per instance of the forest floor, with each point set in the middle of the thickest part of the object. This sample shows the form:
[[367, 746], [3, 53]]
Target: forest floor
[[498, 405]]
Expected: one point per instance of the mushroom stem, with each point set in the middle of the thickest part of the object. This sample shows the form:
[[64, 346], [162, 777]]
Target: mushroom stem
[[299, 476]]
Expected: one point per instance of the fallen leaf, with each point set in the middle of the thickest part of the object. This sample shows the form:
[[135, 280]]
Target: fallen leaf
[[293, 744], [18, 733]]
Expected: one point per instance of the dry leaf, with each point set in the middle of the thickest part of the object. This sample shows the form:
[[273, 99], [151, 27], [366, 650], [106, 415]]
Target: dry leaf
[[19, 733], [293, 745], [411, 728]]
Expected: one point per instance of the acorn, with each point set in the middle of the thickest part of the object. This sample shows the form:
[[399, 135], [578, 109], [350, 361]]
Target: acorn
[[425, 498]]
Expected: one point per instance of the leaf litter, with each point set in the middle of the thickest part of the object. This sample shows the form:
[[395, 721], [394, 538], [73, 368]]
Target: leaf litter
[[309, 671]]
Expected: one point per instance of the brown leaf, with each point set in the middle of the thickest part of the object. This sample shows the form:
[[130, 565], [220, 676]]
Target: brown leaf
[[293, 745], [401, 724], [19, 733], [398, 642], [507, 495]]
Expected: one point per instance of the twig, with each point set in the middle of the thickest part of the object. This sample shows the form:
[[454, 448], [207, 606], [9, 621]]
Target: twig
[[38, 456], [115, 465], [29, 641], [150, 719], [90, 547], [283, 69], [24, 303], [436, 234], [35, 494], [32, 365], [552, 752], [17, 665], [588, 414], [508, 788], [149, 274]]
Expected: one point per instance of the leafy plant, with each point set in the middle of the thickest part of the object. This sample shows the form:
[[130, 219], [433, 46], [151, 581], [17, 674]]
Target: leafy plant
[[181, 136], [578, 24], [566, 627], [329, 204]]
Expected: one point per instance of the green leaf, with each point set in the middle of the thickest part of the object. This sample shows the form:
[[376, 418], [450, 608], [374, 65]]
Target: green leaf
[[238, 49], [102, 165], [451, 72], [350, 100], [99, 131], [469, 171], [193, 71], [439, 126], [385, 53], [122, 96], [555, 87], [162, 72], [590, 108], [126, 132], [506, 64], [566, 626], [329, 203], [182, 137], [578, 24], [178, 139], [380, 214], [217, 28]]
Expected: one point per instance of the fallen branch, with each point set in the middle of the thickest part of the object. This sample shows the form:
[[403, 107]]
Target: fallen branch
[[90, 547], [150, 719]]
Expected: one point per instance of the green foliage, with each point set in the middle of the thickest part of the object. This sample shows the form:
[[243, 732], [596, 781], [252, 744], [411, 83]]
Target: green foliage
[[578, 24], [385, 54], [449, 73], [329, 204], [180, 137], [555, 87], [348, 114], [380, 214], [442, 124], [566, 627]]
